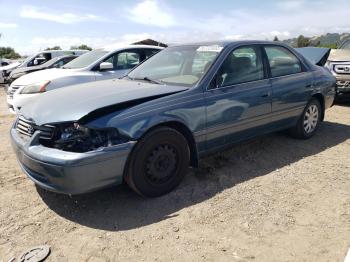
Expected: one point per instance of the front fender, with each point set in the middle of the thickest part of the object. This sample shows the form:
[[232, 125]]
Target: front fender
[[139, 128], [186, 108]]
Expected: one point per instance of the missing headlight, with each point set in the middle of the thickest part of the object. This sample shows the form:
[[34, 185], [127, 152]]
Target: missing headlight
[[77, 138]]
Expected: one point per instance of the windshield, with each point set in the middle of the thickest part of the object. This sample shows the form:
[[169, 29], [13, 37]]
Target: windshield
[[180, 65], [53, 60], [346, 45], [29, 60], [86, 59]]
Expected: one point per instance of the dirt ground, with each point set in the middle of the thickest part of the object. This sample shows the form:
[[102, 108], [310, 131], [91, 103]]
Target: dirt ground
[[273, 198]]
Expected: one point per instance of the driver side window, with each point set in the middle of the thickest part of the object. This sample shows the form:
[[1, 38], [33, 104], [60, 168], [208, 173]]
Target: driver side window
[[243, 64]]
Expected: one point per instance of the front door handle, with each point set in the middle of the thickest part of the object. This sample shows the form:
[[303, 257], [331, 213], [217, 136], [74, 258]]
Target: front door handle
[[308, 86], [266, 94]]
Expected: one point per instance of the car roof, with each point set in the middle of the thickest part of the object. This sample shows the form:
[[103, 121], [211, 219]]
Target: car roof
[[64, 56], [60, 51], [225, 43], [53, 60], [117, 47]]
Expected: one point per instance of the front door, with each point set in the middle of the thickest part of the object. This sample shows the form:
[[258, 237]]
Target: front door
[[238, 104]]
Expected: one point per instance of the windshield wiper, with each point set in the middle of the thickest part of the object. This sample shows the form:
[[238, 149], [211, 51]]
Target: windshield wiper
[[126, 76], [148, 80]]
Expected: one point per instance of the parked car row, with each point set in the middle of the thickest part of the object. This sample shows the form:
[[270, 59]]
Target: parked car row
[[96, 65], [6, 70], [33, 62], [56, 62], [93, 124]]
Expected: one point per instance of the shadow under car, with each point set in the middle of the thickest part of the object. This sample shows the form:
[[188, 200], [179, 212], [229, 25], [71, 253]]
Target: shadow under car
[[120, 209]]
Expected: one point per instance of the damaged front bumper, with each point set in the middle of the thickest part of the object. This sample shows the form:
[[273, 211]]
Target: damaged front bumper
[[68, 172]]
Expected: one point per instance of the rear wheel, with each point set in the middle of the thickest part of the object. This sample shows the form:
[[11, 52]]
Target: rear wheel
[[309, 121], [158, 163]]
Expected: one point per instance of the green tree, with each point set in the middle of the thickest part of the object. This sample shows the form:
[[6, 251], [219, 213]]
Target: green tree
[[54, 48], [276, 39], [332, 46], [9, 53], [81, 47], [303, 41]]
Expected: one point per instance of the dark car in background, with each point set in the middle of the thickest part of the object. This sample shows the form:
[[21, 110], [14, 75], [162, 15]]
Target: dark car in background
[[180, 105], [56, 62]]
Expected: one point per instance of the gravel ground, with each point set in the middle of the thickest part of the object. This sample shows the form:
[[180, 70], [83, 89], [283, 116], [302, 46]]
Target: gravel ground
[[273, 198]]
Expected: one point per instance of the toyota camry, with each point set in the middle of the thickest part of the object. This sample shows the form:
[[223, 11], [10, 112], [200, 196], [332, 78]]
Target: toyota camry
[[180, 105]]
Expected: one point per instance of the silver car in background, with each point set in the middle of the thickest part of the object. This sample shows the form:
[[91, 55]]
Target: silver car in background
[[339, 64]]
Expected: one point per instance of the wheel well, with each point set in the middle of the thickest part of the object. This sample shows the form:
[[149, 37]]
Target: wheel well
[[187, 134], [320, 99]]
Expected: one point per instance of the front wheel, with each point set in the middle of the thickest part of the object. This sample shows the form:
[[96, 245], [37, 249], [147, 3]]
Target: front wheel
[[158, 162], [309, 121]]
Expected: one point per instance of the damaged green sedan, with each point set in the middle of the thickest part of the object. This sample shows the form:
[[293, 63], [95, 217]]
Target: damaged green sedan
[[182, 104]]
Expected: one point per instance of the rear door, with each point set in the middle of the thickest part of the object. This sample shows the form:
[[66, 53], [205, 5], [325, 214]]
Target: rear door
[[238, 105], [122, 61], [292, 84]]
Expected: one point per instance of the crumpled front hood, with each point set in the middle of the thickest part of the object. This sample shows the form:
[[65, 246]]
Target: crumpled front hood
[[316, 55], [74, 102], [48, 74], [25, 69], [10, 66], [340, 55]]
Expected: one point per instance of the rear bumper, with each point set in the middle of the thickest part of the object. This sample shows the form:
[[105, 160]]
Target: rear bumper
[[68, 172]]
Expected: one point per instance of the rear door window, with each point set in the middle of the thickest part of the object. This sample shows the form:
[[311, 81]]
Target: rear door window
[[282, 61]]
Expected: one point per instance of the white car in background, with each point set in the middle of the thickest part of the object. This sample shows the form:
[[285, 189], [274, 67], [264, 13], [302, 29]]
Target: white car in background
[[5, 62], [6, 70], [96, 65], [35, 60]]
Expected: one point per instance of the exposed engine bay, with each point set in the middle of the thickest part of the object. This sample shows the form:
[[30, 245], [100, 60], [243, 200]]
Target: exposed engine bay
[[74, 137]]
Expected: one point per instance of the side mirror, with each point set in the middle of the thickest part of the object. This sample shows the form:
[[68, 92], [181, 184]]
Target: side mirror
[[39, 61], [104, 66]]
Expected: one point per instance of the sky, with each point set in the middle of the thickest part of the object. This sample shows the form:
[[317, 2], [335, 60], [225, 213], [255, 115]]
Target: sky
[[32, 26]]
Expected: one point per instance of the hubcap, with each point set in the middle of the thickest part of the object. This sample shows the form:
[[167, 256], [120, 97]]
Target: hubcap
[[161, 164], [310, 119]]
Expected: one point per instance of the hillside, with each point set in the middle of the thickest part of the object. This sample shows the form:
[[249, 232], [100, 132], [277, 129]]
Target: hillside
[[328, 40]]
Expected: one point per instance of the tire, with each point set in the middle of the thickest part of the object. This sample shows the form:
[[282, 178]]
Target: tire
[[308, 122], [158, 162]]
